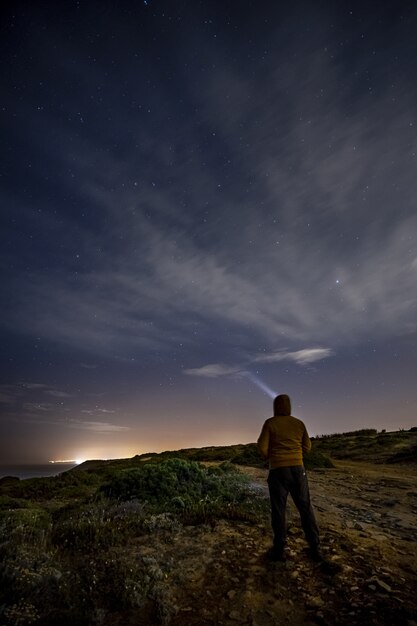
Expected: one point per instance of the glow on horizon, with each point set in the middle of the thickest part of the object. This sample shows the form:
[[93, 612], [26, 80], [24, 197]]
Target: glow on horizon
[[75, 461], [97, 456]]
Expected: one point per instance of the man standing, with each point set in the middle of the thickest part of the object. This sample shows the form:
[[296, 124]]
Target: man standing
[[283, 441]]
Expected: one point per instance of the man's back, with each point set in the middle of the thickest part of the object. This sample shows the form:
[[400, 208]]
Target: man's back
[[283, 441]]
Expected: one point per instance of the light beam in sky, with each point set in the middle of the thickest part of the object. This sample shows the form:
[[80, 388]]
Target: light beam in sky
[[269, 392]]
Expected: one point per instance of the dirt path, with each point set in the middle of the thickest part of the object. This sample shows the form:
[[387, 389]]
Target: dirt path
[[367, 515], [220, 576]]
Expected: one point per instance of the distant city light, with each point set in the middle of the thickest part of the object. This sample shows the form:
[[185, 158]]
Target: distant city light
[[75, 461]]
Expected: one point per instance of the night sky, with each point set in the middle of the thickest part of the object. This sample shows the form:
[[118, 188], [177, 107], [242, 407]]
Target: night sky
[[204, 203]]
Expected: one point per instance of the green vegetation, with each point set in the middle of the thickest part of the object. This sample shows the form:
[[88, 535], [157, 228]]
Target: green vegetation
[[73, 547], [70, 549], [369, 445], [240, 454]]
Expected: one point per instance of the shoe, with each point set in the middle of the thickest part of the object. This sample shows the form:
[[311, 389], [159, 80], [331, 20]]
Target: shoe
[[316, 555], [276, 555]]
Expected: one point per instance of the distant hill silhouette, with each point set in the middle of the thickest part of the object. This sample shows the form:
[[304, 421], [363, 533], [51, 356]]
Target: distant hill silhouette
[[366, 444], [398, 446]]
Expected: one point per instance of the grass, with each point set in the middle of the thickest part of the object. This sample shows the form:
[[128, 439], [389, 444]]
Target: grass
[[369, 445], [69, 550]]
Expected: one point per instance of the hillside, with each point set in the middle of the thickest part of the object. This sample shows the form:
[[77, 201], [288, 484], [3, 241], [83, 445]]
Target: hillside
[[240, 454], [363, 445], [164, 539], [368, 445]]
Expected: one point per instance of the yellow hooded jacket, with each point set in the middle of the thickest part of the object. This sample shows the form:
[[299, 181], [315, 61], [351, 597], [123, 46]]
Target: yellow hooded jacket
[[283, 441]]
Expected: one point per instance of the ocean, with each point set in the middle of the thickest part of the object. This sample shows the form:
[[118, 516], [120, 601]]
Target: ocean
[[35, 471]]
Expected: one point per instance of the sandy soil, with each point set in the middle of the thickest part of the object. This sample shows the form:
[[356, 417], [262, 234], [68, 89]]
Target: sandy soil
[[368, 522]]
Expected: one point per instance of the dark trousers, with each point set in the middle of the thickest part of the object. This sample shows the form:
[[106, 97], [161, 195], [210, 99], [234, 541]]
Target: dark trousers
[[293, 480]]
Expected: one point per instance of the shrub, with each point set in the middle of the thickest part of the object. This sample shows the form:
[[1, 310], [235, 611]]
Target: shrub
[[25, 524], [249, 455], [63, 486], [154, 482], [7, 503], [97, 526], [316, 459], [165, 482]]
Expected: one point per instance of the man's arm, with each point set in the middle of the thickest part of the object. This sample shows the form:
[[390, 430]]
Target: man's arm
[[306, 443], [263, 441]]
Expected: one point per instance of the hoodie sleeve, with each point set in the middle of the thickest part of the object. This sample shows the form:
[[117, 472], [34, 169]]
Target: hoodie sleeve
[[263, 441], [306, 443]]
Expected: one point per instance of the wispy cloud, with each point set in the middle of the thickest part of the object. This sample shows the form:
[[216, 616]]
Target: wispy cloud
[[302, 357], [97, 410], [306, 262], [6, 398], [58, 394], [34, 385], [38, 406], [213, 370], [98, 427]]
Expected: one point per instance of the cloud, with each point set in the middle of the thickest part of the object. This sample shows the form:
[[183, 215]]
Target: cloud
[[97, 410], [58, 394], [99, 427], [6, 398], [278, 245], [213, 370], [302, 357], [9, 393], [29, 389], [39, 406], [289, 295], [34, 385]]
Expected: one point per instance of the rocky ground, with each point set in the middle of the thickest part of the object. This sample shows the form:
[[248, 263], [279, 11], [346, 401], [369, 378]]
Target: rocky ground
[[220, 575]]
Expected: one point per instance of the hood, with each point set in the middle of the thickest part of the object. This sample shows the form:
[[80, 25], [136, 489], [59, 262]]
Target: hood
[[282, 405]]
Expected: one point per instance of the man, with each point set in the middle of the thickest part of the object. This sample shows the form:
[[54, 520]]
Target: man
[[283, 441]]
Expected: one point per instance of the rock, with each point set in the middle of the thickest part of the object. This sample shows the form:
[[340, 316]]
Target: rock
[[236, 616], [383, 585], [358, 526], [55, 573], [231, 594], [315, 602]]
